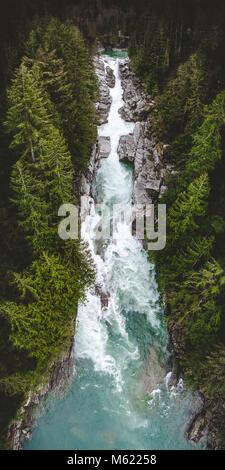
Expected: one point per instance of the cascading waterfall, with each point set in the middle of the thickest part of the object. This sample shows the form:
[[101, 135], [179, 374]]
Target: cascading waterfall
[[119, 398]]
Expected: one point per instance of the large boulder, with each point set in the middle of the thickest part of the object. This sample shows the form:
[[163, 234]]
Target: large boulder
[[153, 187], [139, 148], [105, 100], [103, 146], [127, 148], [110, 77], [137, 103]]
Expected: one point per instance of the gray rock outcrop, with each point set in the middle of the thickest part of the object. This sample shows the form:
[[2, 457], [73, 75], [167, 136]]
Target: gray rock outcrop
[[127, 148], [61, 375], [101, 149], [110, 77], [150, 170], [106, 79], [149, 157], [138, 103], [104, 147]]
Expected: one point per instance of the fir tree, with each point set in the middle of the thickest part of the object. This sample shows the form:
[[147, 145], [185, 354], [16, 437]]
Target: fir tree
[[27, 116], [189, 205]]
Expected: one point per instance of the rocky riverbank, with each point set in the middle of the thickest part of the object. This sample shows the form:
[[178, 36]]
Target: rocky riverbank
[[207, 420], [150, 160], [141, 148], [102, 146], [151, 163], [60, 377], [106, 80], [61, 372]]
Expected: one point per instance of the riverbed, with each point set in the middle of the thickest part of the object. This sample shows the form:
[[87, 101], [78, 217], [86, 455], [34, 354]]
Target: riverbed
[[119, 398]]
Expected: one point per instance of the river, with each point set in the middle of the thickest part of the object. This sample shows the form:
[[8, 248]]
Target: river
[[121, 350]]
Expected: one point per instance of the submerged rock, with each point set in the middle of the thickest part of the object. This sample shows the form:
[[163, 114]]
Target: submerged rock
[[153, 374]]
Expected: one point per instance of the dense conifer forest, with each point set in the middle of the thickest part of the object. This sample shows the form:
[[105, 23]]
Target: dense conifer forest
[[182, 62], [48, 126]]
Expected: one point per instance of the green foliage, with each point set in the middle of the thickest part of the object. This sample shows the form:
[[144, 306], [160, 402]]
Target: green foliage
[[190, 116], [33, 211], [206, 149], [180, 104], [202, 294], [56, 165], [207, 371], [28, 113], [44, 159], [50, 290], [218, 224], [69, 78], [150, 50], [50, 122], [189, 205], [180, 56]]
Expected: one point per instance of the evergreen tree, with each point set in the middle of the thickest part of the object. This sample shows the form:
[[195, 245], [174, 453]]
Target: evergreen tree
[[189, 205], [27, 116], [206, 150], [28, 188], [202, 315], [56, 165], [50, 290]]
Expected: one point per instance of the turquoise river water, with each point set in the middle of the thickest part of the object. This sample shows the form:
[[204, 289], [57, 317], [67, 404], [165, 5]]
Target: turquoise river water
[[119, 398]]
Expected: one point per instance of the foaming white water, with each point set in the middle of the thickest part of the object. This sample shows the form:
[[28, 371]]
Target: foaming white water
[[114, 183], [116, 126], [128, 269], [124, 269], [119, 346]]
